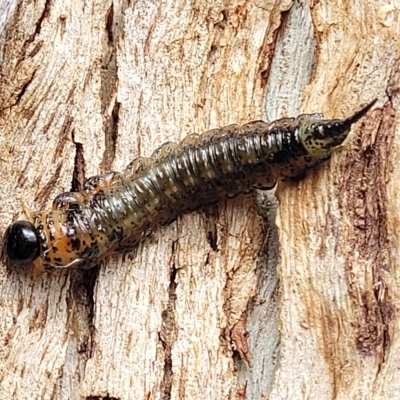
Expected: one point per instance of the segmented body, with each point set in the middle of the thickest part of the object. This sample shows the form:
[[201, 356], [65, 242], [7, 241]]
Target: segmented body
[[116, 211]]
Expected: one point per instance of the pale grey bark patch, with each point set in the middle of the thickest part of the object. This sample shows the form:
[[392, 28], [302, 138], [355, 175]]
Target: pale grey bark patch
[[291, 69], [263, 311], [292, 63], [6, 10]]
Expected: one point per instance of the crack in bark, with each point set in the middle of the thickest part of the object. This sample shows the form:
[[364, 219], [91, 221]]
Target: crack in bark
[[168, 333], [109, 83], [264, 73], [110, 23], [22, 91], [78, 175], [90, 279], [38, 28], [212, 214], [24, 88], [110, 107], [45, 14]]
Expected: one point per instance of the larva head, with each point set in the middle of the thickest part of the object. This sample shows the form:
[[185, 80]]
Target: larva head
[[21, 244], [320, 136]]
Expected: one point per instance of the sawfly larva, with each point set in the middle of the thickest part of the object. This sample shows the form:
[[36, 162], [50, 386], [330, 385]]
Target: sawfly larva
[[115, 212]]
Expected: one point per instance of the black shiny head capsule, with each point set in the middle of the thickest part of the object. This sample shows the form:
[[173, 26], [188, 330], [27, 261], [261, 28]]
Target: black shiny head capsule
[[320, 136], [21, 243]]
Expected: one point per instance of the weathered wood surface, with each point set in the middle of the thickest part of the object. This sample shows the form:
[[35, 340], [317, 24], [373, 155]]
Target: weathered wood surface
[[86, 86]]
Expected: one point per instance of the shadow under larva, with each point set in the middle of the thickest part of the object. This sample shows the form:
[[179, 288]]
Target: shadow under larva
[[114, 212]]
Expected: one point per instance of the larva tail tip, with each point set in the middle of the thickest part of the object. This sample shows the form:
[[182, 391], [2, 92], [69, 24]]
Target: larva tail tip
[[360, 113]]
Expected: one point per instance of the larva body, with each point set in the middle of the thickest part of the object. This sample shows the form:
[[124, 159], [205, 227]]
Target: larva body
[[116, 211]]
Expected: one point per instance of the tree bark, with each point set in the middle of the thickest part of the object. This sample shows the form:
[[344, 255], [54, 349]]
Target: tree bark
[[223, 303]]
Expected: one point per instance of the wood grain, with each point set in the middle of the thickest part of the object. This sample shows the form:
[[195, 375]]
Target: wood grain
[[86, 86]]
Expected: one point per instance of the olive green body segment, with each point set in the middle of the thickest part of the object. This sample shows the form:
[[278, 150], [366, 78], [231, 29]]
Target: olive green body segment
[[116, 211]]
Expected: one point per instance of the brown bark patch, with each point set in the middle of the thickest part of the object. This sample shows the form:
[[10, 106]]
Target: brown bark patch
[[239, 337], [362, 202]]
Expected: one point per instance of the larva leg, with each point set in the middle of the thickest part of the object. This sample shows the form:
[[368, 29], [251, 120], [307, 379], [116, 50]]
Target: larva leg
[[68, 201], [93, 185], [192, 138], [140, 163], [130, 243], [264, 184], [165, 149], [215, 134], [97, 183], [309, 116], [137, 165]]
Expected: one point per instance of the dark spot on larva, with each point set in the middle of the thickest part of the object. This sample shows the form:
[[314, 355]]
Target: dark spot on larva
[[57, 259], [75, 244]]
